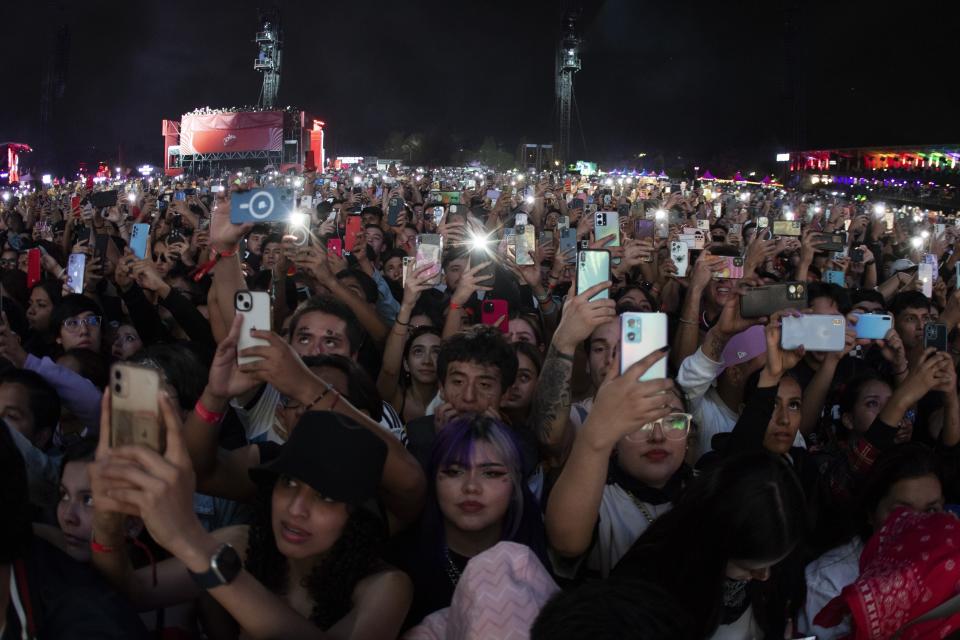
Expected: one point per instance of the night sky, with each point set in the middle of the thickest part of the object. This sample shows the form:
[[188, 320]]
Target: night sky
[[702, 79]]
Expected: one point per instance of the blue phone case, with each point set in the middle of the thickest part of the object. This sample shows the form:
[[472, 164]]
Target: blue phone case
[[261, 205], [873, 326], [835, 277], [138, 240]]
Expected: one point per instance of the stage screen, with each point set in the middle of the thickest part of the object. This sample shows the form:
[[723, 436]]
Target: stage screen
[[225, 132]]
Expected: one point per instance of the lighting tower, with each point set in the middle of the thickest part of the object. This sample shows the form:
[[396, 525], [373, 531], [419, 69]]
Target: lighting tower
[[270, 45], [568, 63]]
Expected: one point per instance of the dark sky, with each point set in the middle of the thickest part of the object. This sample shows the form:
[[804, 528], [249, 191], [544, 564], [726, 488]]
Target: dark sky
[[674, 76]]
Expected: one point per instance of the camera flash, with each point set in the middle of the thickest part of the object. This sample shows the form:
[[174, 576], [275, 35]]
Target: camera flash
[[299, 219]]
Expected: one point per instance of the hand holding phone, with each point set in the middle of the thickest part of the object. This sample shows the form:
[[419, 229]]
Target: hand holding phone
[[134, 407]]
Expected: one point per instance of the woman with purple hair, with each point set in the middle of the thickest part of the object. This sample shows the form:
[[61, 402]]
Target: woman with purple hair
[[477, 498]]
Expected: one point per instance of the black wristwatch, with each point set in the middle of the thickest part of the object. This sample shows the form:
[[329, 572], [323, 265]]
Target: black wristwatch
[[225, 566]]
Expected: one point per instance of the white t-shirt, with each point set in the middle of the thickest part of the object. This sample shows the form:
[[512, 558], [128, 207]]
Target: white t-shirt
[[826, 577], [619, 525]]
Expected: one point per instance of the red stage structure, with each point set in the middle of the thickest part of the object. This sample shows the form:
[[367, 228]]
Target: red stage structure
[[10, 161], [214, 141]]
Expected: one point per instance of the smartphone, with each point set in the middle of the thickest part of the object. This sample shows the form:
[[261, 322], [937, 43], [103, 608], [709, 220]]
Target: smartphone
[[492, 310], [103, 199], [888, 220], [568, 241], [814, 332], [526, 243], [134, 408], [643, 228], [406, 263], [268, 204], [180, 195], [856, 255], [873, 326], [662, 228], [640, 335], [76, 265], [138, 240], [546, 238], [786, 228], [335, 245], [925, 274], [935, 335], [354, 226], [75, 205], [834, 277], [696, 240], [479, 256], [254, 306], [33, 267], [680, 254], [758, 302], [593, 267], [732, 268], [100, 246], [931, 259], [606, 224], [763, 222], [563, 222], [429, 251], [576, 203], [831, 241], [394, 207]]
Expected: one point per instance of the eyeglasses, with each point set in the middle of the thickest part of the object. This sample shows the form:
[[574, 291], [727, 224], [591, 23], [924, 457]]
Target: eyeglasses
[[674, 426], [74, 324], [289, 403]]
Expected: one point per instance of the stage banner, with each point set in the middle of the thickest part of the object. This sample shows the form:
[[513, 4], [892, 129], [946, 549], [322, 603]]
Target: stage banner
[[226, 132]]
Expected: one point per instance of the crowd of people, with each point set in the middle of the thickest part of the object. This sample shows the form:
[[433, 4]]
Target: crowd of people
[[455, 444]]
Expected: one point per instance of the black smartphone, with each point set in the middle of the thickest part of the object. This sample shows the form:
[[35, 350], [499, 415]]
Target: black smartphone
[[856, 255], [103, 199], [764, 300], [935, 335], [832, 241]]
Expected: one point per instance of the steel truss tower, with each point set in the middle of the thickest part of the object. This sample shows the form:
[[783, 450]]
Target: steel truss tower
[[269, 57], [568, 63]]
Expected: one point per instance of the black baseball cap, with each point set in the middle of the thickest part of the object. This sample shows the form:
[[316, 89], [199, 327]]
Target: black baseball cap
[[333, 454]]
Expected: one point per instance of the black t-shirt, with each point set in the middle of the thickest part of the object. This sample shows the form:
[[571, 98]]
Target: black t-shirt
[[68, 600]]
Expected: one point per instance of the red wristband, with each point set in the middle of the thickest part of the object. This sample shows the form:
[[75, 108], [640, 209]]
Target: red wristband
[[210, 417], [454, 305], [208, 266], [336, 399], [96, 547]]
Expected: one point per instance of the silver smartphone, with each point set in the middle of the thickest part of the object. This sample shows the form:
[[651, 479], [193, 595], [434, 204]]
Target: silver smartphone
[[254, 306], [640, 335], [814, 332], [593, 267]]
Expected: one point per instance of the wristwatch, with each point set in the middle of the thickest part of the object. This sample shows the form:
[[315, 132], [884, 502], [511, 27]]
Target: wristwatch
[[225, 566]]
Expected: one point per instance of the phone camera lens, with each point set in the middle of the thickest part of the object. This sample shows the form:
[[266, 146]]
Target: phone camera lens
[[117, 388], [792, 289], [631, 336], [117, 375]]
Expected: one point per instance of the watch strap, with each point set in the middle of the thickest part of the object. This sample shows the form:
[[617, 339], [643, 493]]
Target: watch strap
[[224, 567]]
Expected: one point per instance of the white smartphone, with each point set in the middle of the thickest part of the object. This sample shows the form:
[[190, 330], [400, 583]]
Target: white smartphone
[[76, 265], [254, 306], [640, 335], [814, 332], [925, 273], [134, 412], [680, 254]]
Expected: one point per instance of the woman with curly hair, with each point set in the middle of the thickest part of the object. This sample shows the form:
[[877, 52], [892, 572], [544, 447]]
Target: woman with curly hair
[[309, 565]]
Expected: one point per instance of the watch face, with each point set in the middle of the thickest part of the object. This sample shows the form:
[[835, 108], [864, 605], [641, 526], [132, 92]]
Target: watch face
[[227, 563]]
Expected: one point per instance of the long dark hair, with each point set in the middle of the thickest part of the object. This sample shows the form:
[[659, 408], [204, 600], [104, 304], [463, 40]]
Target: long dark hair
[[355, 555], [750, 506], [900, 462]]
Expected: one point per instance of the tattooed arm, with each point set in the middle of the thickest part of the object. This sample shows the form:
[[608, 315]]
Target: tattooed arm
[[551, 401], [550, 414]]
